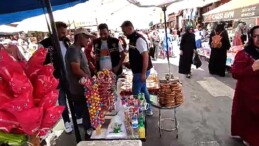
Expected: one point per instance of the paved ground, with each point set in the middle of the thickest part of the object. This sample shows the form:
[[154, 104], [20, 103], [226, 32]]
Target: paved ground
[[204, 117]]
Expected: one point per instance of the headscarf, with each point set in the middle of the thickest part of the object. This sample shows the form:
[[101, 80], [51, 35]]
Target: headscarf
[[220, 27], [188, 27], [250, 48], [240, 28]]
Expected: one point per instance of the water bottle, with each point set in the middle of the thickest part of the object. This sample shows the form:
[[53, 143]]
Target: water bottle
[[135, 126]]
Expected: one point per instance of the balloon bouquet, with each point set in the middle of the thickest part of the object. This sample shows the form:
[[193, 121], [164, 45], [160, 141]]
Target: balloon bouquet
[[28, 95]]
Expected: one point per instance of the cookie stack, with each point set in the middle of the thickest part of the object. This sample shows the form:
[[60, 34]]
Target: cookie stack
[[170, 94]]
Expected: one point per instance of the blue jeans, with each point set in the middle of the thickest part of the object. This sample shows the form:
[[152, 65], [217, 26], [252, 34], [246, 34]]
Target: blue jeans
[[140, 87], [62, 100]]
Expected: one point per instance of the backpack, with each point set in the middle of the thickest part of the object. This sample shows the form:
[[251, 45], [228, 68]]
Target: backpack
[[216, 41]]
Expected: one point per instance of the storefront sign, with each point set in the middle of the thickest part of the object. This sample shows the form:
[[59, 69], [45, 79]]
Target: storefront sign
[[171, 18], [247, 12], [84, 23]]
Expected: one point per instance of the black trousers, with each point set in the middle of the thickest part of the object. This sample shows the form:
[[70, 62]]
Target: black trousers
[[81, 110]]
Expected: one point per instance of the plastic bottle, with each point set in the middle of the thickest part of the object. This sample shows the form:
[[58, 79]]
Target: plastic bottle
[[135, 126], [141, 128]]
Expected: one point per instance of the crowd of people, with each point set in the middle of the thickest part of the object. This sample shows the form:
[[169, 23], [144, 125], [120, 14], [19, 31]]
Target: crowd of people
[[90, 53]]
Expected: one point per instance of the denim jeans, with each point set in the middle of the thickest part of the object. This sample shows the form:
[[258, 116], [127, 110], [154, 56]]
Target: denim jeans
[[140, 87], [62, 100]]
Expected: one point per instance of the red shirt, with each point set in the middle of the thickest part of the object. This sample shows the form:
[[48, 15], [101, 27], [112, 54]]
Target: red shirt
[[91, 58]]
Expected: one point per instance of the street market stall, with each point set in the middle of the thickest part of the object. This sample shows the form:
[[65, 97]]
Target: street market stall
[[41, 113], [205, 51], [233, 12]]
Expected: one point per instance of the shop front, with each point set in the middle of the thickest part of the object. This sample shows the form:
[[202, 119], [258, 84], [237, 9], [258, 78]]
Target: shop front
[[245, 12], [232, 13]]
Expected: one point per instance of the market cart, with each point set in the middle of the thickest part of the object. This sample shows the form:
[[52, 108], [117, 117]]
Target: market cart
[[156, 104]]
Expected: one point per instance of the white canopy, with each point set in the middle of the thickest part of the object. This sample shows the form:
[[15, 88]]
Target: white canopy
[[153, 3], [112, 12], [8, 29]]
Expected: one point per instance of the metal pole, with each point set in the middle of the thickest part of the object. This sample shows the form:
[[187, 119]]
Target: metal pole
[[166, 36], [63, 79]]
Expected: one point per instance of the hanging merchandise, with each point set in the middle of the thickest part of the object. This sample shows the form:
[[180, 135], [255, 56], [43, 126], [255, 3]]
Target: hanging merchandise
[[100, 98], [93, 102], [28, 98], [106, 87]]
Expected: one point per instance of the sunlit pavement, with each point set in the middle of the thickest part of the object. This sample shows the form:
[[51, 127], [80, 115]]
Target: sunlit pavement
[[204, 118]]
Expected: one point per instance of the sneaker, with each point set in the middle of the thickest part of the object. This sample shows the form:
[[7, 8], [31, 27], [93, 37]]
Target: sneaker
[[68, 127], [188, 76], [79, 121], [88, 134], [149, 113]]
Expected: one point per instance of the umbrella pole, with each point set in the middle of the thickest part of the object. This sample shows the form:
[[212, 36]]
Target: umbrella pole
[[166, 36], [63, 72]]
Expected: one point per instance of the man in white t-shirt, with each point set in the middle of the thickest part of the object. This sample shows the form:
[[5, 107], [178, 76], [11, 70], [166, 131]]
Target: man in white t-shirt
[[109, 52], [140, 61]]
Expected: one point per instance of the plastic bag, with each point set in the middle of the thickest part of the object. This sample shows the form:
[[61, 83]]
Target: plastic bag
[[18, 104], [44, 84], [42, 70], [7, 121], [5, 93], [110, 131], [36, 61], [197, 61], [19, 84], [51, 116], [30, 120], [49, 100], [9, 66], [45, 81]]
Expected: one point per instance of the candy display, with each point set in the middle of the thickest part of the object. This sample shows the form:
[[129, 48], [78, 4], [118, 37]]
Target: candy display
[[100, 97], [28, 96], [170, 93], [106, 84], [93, 102]]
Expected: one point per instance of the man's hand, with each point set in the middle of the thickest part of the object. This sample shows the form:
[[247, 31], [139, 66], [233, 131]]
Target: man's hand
[[255, 66], [116, 69], [143, 77]]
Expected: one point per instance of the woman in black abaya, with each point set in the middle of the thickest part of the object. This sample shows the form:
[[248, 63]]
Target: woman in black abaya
[[218, 56], [187, 49]]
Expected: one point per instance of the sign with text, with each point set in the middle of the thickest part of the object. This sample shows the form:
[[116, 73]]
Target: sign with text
[[246, 12]]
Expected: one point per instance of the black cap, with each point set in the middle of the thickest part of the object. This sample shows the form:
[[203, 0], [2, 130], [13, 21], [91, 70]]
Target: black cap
[[126, 23]]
